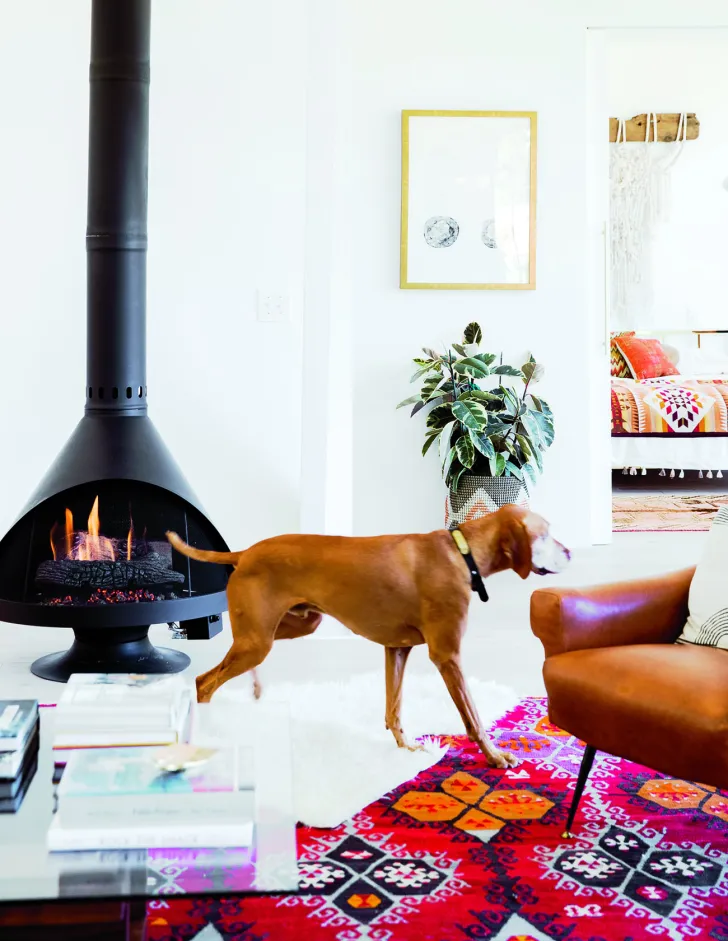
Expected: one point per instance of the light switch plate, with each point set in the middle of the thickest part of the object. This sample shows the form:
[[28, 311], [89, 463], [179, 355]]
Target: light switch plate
[[272, 308]]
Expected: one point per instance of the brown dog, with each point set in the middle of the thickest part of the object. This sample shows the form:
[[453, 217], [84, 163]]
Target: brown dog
[[398, 591]]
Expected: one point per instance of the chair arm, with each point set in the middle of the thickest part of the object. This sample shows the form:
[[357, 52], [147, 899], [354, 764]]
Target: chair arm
[[648, 611]]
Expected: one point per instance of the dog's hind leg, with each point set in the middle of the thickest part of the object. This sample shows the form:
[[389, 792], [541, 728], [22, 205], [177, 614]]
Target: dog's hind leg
[[254, 615], [395, 661]]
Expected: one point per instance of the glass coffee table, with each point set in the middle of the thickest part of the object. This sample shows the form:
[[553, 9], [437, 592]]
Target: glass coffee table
[[34, 882]]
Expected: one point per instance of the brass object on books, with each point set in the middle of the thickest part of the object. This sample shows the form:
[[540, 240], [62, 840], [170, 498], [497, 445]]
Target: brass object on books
[[179, 758]]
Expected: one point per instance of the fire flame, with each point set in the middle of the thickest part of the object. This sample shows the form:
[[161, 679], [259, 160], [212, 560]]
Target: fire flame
[[69, 533], [89, 546], [130, 537], [54, 527]]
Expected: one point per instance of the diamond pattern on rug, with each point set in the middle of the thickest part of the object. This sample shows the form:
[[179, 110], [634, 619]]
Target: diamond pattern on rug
[[467, 852]]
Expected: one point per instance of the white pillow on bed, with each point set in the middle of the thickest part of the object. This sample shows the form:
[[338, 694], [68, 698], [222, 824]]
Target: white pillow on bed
[[707, 623], [703, 363]]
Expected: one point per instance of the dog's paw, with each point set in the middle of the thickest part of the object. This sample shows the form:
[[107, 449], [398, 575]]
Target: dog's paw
[[414, 747], [502, 759]]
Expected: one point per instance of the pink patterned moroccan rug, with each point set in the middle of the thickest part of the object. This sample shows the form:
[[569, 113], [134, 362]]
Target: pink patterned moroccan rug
[[467, 853]]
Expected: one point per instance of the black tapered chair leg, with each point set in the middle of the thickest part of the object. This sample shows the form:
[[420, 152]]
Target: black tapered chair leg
[[586, 765]]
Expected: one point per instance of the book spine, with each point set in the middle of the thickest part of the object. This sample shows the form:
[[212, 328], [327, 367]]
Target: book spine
[[63, 840], [167, 810]]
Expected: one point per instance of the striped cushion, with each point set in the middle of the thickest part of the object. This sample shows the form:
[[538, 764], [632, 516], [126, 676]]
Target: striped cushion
[[707, 623], [618, 364]]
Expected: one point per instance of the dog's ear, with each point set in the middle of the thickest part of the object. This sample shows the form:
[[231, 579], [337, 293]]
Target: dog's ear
[[516, 546]]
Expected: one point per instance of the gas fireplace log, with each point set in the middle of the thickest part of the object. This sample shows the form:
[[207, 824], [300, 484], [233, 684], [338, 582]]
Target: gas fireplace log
[[69, 573]]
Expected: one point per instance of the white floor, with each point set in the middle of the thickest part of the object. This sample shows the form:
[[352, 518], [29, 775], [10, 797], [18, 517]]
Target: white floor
[[499, 644]]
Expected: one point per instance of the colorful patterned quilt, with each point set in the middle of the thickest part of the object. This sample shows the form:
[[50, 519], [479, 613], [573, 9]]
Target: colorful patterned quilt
[[671, 405]]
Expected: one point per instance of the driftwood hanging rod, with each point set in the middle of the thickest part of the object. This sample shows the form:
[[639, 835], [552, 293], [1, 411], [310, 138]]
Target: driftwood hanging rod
[[667, 125]]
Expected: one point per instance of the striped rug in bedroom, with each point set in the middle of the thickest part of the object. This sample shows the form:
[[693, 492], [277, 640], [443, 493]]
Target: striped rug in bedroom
[[664, 512]]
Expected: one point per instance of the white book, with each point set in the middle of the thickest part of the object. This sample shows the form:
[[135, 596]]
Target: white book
[[12, 761], [185, 836], [18, 718], [74, 736], [100, 698], [122, 738], [121, 787]]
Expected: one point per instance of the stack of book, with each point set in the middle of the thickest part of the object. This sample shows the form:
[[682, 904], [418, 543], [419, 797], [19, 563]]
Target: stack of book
[[19, 740], [106, 710], [123, 798]]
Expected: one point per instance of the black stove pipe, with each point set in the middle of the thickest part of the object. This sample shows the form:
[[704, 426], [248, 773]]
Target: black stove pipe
[[116, 234]]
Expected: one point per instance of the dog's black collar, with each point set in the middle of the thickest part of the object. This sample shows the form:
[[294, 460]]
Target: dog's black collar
[[476, 579]]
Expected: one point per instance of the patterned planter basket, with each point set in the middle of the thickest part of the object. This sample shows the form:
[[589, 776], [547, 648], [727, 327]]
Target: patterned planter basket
[[479, 496]]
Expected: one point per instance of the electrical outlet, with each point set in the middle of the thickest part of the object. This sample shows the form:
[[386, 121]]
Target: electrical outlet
[[272, 308]]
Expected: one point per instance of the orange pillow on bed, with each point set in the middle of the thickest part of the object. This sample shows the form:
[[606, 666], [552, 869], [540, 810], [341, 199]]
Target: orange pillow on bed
[[646, 359]]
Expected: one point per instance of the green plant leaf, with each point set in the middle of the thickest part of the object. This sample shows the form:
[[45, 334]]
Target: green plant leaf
[[460, 350], [429, 441], [512, 402], [540, 406], [496, 426], [529, 475], [471, 367], [449, 458], [481, 396], [465, 451], [482, 443], [431, 353], [473, 333], [532, 371], [440, 416], [424, 369], [486, 358], [498, 465], [445, 441], [525, 445], [545, 426], [507, 371], [439, 389], [471, 413], [455, 478], [537, 459], [410, 401], [420, 405], [514, 470]]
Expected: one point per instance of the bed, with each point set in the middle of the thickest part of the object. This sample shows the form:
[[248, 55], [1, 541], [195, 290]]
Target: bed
[[674, 423]]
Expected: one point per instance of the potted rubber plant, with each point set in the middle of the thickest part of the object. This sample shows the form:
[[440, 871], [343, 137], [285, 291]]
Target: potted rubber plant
[[490, 428]]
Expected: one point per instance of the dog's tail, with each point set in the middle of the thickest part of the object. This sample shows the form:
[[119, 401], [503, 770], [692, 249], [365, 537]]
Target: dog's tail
[[221, 558]]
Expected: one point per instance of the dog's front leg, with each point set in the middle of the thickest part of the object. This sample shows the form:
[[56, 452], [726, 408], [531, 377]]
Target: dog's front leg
[[395, 660], [451, 672]]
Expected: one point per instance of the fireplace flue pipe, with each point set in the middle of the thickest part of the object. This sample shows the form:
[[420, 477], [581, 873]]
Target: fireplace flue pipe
[[116, 234]]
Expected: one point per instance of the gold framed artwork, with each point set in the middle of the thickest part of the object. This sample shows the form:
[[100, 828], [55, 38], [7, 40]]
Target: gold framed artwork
[[468, 200]]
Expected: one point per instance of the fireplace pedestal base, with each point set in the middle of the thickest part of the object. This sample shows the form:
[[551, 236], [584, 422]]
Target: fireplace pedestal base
[[118, 650]]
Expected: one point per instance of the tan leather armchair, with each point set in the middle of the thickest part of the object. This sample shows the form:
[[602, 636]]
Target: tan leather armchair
[[616, 679]]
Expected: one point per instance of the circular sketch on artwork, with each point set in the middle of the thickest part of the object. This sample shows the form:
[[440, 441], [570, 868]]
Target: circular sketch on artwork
[[488, 234], [441, 231]]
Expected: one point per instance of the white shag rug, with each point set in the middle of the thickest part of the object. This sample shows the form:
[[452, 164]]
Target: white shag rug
[[342, 755]]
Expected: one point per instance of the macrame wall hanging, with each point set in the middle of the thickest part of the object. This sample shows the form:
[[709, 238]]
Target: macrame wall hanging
[[639, 178]]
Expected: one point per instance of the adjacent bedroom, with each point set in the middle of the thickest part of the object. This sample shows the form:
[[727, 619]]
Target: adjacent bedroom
[[668, 318]]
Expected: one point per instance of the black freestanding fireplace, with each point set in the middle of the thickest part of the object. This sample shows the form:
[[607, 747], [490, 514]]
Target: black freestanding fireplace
[[88, 551]]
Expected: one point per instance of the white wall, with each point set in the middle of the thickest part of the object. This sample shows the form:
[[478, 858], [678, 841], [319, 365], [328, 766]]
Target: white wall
[[227, 190], [483, 55], [681, 70], [428, 58], [236, 191]]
